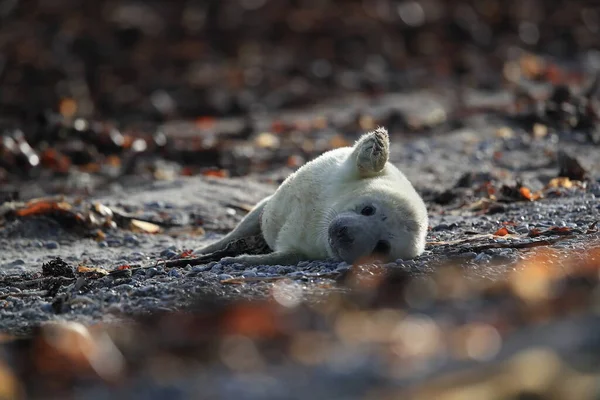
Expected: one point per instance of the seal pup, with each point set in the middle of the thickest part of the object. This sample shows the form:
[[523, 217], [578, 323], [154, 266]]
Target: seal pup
[[348, 204]]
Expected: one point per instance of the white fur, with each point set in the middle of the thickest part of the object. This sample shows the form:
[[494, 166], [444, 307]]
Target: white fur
[[295, 219]]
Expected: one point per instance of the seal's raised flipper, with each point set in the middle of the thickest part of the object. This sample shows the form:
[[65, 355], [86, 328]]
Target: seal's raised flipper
[[372, 151], [276, 258], [249, 226]]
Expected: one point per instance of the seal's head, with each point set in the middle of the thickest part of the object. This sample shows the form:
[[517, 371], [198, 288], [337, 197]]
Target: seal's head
[[377, 225]]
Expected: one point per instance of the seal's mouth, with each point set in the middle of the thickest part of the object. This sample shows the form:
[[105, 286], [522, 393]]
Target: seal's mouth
[[331, 249]]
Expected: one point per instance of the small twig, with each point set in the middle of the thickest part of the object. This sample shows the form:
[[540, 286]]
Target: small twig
[[24, 294], [518, 245], [31, 283], [182, 262], [242, 280]]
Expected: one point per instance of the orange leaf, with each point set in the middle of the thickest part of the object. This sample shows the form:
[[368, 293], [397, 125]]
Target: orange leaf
[[534, 232], [501, 232], [277, 126], [294, 161], [42, 207], [525, 193], [186, 253], [205, 122], [187, 171], [91, 271], [67, 107], [217, 173], [560, 229], [122, 267]]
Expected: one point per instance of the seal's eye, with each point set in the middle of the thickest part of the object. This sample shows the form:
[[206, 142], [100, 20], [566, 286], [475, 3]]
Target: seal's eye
[[368, 210], [382, 247]]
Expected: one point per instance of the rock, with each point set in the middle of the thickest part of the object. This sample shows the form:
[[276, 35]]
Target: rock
[[52, 245]]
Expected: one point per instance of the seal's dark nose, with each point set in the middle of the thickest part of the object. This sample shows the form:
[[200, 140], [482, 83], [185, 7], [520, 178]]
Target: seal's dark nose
[[343, 235]]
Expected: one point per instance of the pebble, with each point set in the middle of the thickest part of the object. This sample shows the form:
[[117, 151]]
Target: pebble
[[131, 239], [285, 270], [175, 273], [225, 277], [52, 245], [168, 253], [31, 314], [155, 204], [343, 266], [136, 256], [482, 257], [114, 242], [249, 274], [102, 244], [522, 229], [202, 268], [150, 272], [444, 227], [124, 287], [273, 270]]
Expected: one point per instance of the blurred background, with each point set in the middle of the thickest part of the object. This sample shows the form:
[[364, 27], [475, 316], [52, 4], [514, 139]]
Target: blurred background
[[158, 60], [106, 73], [96, 94]]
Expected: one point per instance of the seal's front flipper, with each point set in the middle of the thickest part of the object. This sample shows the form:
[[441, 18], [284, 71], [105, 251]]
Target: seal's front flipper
[[372, 151], [248, 227], [276, 258]]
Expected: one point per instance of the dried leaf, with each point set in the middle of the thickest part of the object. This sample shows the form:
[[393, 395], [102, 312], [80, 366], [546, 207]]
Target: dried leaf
[[533, 232], [144, 226], [505, 133], [560, 182], [67, 107], [216, 173], [540, 131], [103, 210], [267, 140], [186, 253], [295, 161], [43, 207], [502, 232], [531, 66], [205, 122], [91, 271], [526, 193]]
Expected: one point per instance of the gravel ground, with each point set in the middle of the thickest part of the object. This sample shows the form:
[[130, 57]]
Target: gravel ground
[[434, 163], [461, 234]]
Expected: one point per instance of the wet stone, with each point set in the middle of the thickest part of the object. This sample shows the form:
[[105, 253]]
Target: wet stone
[[150, 272], [175, 273], [285, 270], [202, 268], [168, 254], [131, 239]]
